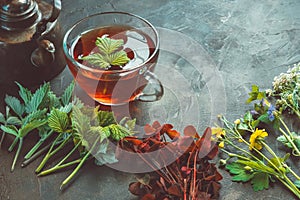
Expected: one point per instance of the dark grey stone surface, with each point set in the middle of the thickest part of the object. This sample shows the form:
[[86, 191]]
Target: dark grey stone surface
[[245, 42]]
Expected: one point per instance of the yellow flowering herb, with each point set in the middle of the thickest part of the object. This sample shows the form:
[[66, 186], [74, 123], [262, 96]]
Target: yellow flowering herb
[[255, 137], [238, 121], [218, 132], [221, 144]]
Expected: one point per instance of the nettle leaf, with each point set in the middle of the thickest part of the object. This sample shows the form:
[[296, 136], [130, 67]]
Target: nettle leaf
[[105, 155], [58, 121], [25, 129], [15, 105], [67, 95], [13, 120], [105, 118], [67, 108], [260, 181], [128, 123], [24, 93], [80, 122], [35, 115], [10, 130], [118, 132], [37, 98], [53, 100]]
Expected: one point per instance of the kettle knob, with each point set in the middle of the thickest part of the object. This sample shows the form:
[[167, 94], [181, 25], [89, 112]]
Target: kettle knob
[[18, 14]]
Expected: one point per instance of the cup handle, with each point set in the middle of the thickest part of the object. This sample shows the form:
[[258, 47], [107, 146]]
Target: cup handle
[[155, 84]]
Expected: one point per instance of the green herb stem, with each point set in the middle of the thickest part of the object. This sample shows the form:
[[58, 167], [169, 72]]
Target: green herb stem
[[290, 185], [2, 139], [12, 146], [290, 141], [53, 169], [292, 171], [37, 145], [35, 155], [272, 153], [60, 165], [51, 153], [66, 181], [17, 154]]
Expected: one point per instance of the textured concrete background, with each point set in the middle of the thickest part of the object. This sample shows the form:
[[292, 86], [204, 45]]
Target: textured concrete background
[[248, 42]]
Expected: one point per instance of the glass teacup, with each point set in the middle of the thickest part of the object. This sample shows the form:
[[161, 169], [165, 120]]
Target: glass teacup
[[115, 85]]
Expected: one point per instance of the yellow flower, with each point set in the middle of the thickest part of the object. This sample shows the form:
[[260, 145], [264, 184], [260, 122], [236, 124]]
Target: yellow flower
[[240, 140], [238, 121], [255, 137], [221, 144], [218, 131]]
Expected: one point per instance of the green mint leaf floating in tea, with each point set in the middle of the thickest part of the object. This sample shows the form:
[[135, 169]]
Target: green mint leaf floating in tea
[[110, 53]]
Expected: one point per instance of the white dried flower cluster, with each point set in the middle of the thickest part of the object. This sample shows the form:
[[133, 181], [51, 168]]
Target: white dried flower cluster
[[287, 81]]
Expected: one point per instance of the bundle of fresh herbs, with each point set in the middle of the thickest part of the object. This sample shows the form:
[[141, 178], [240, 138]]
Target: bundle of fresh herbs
[[250, 157], [65, 120]]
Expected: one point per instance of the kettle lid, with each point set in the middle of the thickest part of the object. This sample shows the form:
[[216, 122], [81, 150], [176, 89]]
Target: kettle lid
[[17, 15]]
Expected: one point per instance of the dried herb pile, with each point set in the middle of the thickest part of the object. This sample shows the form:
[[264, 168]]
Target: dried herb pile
[[190, 174]]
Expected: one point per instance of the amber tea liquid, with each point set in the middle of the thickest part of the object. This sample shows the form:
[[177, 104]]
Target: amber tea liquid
[[118, 84]]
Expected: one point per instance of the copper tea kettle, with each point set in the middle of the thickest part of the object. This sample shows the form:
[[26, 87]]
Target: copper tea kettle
[[30, 42]]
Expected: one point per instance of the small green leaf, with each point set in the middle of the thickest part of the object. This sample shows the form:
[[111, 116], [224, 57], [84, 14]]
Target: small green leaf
[[260, 181], [118, 58], [243, 176], [264, 118], [255, 94], [107, 45], [105, 155], [13, 121], [35, 115], [37, 98], [255, 123], [248, 117], [2, 118], [235, 168], [15, 105], [25, 129], [54, 101], [98, 60], [67, 95], [118, 132], [58, 121], [24, 93], [243, 126], [10, 129], [109, 53], [105, 118], [80, 122]]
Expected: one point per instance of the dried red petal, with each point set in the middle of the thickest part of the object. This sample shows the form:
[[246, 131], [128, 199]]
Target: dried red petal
[[173, 134], [136, 189], [204, 144], [149, 130], [175, 190], [191, 131], [214, 151], [148, 197]]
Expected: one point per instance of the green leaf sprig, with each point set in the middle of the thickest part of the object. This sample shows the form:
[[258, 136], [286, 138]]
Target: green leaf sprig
[[109, 53]]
